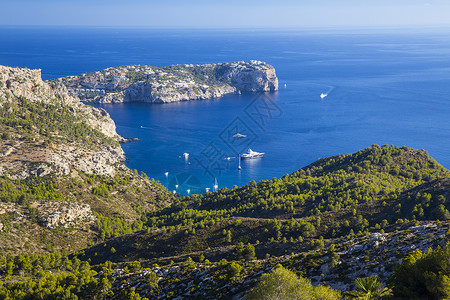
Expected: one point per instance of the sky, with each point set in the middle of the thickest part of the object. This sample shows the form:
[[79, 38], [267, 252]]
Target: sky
[[226, 14]]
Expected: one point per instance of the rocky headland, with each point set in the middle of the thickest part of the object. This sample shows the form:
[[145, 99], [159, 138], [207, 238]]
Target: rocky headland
[[45, 130], [63, 184], [172, 83]]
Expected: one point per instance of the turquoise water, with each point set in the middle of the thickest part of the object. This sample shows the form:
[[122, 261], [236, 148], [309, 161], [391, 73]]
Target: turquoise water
[[384, 88]]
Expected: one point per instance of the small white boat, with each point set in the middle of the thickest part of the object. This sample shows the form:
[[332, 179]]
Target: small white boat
[[167, 174], [185, 155], [285, 85], [323, 95], [239, 136], [252, 154]]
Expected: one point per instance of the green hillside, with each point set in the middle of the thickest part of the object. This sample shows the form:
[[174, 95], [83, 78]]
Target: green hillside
[[312, 218], [62, 183], [335, 197]]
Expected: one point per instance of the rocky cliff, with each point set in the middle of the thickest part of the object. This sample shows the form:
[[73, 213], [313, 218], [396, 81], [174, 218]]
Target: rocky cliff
[[45, 130], [172, 83]]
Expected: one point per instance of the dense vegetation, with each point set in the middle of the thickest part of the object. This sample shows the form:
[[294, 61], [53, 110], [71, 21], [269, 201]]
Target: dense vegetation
[[34, 121], [423, 275], [57, 276], [284, 284], [118, 205], [341, 196]]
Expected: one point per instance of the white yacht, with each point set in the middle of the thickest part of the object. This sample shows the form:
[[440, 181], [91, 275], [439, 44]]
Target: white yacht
[[323, 95], [239, 136], [186, 155], [252, 154]]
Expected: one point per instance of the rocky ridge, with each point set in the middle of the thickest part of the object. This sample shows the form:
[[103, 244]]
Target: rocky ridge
[[25, 153], [173, 83], [375, 254]]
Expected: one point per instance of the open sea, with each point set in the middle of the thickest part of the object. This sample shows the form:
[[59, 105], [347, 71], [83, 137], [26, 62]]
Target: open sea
[[383, 86]]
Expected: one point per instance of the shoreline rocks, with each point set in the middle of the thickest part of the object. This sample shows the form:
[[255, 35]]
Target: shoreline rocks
[[128, 139]]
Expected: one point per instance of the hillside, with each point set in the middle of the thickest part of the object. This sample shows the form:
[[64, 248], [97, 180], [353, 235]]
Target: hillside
[[375, 206], [338, 196], [173, 83], [44, 130], [62, 178], [339, 219]]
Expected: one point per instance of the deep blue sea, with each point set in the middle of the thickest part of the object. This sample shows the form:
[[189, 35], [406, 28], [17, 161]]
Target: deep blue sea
[[384, 87]]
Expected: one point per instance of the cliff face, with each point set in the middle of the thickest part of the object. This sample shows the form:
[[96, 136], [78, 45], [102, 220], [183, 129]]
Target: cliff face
[[253, 80], [146, 92], [172, 83], [45, 130]]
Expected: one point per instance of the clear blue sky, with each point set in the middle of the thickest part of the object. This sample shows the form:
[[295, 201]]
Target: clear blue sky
[[229, 13]]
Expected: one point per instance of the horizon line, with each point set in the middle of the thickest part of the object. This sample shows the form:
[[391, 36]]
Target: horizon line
[[300, 27]]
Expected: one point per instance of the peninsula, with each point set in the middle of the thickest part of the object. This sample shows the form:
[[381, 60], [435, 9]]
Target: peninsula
[[136, 83]]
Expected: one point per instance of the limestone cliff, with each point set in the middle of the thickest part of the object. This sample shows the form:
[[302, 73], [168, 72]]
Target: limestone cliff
[[45, 130], [172, 83]]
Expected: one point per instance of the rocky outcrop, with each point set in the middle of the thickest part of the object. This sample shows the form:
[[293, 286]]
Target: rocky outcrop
[[173, 83], [23, 82], [23, 154], [103, 162], [66, 215], [26, 83], [144, 92], [373, 255], [254, 81]]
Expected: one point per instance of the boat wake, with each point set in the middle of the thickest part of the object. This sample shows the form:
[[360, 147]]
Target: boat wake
[[325, 94], [326, 90]]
